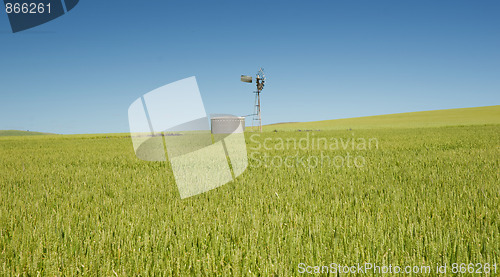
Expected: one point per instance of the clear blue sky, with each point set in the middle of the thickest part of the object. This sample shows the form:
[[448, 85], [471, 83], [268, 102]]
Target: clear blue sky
[[323, 59]]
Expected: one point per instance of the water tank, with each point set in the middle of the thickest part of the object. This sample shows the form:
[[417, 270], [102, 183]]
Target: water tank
[[227, 124]]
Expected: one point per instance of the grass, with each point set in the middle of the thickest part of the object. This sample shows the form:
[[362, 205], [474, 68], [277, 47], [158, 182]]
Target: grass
[[438, 118], [86, 205]]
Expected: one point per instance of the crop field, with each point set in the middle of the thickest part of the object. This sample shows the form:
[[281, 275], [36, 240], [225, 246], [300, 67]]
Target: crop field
[[20, 133], [85, 205], [437, 118]]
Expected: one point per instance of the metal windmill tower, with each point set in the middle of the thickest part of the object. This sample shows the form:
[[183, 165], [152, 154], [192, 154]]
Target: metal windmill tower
[[260, 80]]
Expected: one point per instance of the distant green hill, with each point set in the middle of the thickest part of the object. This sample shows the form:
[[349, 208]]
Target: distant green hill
[[437, 118], [4, 133]]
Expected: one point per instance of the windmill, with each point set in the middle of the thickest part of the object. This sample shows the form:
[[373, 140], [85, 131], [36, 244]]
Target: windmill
[[260, 80]]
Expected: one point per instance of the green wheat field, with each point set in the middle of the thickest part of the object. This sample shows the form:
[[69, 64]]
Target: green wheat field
[[427, 193]]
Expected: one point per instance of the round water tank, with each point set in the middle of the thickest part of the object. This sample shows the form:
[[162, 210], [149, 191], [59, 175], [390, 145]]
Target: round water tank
[[227, 124]]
